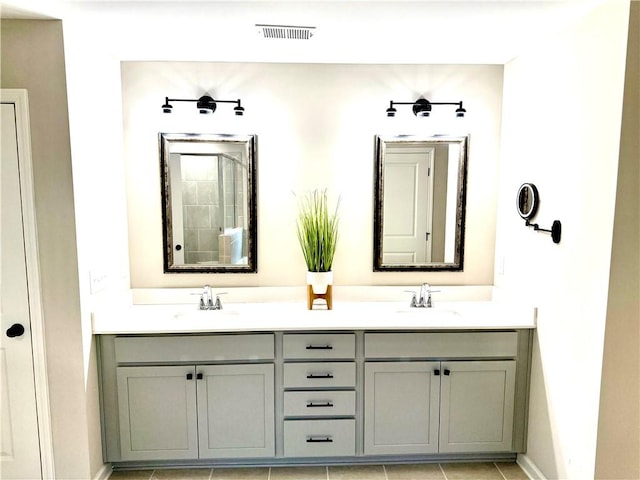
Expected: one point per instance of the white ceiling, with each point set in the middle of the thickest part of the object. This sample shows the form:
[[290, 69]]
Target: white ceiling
[[352, 31]]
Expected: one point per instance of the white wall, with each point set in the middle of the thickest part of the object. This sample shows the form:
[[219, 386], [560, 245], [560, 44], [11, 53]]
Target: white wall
[[619, 420], [33, 58], [315, 125], [561, 131]]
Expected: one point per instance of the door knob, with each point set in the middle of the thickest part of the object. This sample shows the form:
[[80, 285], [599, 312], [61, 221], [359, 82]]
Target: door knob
[[15, 330]]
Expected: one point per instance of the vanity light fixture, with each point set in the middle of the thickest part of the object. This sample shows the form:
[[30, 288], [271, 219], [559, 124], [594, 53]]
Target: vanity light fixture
[[205, 104], [422, 107]]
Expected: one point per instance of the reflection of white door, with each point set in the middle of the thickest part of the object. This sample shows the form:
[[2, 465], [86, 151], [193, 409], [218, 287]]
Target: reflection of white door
[[19, 447], [177, 218], [408, 200]]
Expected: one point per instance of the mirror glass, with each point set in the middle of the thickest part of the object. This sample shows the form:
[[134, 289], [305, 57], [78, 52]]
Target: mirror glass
[[527, 200], [209, 202], [420, 190]]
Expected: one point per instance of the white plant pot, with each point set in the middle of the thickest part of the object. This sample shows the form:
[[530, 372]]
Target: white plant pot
[[319, 281]]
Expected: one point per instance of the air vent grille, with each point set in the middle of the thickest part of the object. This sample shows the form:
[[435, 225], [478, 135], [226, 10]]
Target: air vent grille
[[286, 32]]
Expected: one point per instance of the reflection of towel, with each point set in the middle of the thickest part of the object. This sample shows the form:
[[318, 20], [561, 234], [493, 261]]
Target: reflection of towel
[[230, 244]]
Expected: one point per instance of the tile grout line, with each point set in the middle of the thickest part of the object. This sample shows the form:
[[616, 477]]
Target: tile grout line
[[500, 471], [384, 469], [327, 469], [443, 473]]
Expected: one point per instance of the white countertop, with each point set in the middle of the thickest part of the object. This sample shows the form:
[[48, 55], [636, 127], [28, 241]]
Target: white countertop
[[293, 316]]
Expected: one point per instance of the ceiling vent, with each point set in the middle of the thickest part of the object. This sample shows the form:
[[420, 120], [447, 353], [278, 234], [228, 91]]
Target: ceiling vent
[[286, 32]]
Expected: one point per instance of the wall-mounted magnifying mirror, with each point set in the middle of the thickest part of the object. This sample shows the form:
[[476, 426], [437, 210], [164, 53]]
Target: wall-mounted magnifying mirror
[[420, 192], [527, 200], [209, 203]]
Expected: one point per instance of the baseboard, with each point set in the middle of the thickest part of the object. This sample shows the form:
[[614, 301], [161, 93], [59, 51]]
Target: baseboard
[[104, 473], [529, 467]]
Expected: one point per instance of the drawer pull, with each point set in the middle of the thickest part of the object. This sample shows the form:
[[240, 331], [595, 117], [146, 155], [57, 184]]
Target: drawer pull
[[320, 375], [319, 347], [323, 404], [326, 439]]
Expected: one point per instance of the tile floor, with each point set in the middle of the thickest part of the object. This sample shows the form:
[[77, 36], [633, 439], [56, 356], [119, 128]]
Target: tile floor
[[434, 471]]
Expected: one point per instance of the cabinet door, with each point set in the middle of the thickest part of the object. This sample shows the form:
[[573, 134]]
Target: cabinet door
[[236, 410], [157, 413], [401, 407], [477, 406]]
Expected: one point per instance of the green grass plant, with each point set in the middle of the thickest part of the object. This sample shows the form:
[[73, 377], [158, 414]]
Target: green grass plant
[[317, 229]]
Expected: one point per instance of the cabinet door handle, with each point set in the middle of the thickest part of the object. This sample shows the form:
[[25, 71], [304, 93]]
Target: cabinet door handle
[[436, 372], [199, 376], [447, 372], [189, 376], [320, 375], [319, 404], [326, 439], [319, 347]]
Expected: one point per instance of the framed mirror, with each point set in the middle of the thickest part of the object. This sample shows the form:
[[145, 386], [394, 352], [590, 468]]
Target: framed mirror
[[209, 203], [420, 194]]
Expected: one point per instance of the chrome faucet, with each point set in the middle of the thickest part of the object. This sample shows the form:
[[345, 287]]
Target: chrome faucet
[[423, 300], [206, 300]]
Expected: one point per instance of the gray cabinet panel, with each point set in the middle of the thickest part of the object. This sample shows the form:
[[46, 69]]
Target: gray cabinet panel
[[441, 344], [477, 406], [320, 374], [157, 408], [314, 403], [319, 346], [319, 438], [194, 348], [401, 408], [236, 411]]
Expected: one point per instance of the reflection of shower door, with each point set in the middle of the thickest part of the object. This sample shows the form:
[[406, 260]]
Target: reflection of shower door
[[408, 200], [177, 231]]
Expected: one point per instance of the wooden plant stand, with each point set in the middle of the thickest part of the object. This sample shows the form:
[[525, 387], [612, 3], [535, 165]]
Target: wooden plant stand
[[311, 297]]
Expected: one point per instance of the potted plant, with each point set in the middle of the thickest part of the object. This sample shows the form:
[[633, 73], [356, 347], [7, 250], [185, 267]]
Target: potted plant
[[317, 229]]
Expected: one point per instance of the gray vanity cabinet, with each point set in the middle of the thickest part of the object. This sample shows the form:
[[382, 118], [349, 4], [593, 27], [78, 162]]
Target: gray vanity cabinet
[[313, 397], [212, 411], [415, 406], [319, 383], [476, 406], [401, 409], [188, 397], [157, 412], [438, 407], [236, 411]]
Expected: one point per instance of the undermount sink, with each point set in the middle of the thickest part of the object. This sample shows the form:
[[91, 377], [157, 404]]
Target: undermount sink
[[197, 314], [428, 312]]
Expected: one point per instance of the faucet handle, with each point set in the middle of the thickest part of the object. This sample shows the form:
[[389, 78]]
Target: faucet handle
[[414, 298], [218, 304]]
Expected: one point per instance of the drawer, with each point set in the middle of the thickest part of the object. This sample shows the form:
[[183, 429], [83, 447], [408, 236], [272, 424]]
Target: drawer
[[319, 346], [319, 374], [319, 438], [441, 345], [194, 348], [313, 403]]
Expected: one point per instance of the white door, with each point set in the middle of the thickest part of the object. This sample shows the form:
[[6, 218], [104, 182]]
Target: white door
[[19, 448], [408, 200]]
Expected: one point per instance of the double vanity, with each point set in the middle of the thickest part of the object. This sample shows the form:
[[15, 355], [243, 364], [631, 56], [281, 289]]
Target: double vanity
[[268, 383]]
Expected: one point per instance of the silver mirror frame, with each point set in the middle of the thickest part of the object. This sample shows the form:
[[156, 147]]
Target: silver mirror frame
[[381, 143], [249, 143]]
